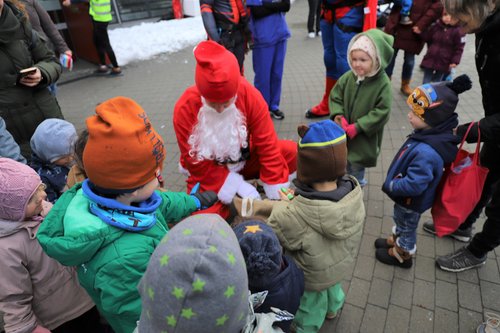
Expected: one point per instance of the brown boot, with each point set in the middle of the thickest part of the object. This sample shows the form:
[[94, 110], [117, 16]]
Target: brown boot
[[394, 256], [405, 87], [385, 243]]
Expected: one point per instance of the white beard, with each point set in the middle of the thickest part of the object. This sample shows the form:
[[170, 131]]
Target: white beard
[[218, 136]]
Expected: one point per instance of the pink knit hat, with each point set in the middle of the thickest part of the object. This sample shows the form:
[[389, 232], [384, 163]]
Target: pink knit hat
[[18, 182]]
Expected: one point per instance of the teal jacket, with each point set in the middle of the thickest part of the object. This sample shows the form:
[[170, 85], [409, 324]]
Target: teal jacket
[[110, 261], [366, 103]]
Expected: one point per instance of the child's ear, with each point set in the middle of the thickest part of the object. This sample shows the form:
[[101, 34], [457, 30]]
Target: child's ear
[[302, 130]]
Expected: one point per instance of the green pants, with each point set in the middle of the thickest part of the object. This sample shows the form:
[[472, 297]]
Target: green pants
[[314, 305]]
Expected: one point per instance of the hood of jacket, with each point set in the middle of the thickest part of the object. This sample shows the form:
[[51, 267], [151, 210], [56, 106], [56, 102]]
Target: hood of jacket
[[10, 24], [71, 233], [333, 220], [383, 45], [441, 138], [8, 228]]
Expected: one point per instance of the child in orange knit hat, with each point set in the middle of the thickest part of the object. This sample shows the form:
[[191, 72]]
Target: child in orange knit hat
[[109, 225]]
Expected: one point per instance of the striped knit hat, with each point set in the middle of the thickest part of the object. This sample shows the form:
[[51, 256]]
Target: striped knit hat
[[322, 152]]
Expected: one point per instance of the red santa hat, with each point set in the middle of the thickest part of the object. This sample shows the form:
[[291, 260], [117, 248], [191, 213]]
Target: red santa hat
[[217, 72]]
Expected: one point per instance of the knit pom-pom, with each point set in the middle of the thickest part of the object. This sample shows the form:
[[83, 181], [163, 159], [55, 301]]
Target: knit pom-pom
[[461, 83], [259, 264]]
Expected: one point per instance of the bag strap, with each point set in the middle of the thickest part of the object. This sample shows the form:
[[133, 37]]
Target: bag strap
[[478, 144]]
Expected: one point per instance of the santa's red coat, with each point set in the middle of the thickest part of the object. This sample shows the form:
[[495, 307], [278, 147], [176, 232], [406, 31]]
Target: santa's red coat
[[275, 158]]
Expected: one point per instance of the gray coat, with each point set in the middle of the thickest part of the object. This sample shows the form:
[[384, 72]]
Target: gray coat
[[42, 23], [8, 147]]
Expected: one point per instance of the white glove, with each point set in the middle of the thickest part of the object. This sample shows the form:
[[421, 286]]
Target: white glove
[[230, 187], [246, 190], [272, 191]]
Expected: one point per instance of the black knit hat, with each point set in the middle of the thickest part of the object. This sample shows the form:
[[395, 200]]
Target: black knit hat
[[436, 102], [262, 251], [322, 152]]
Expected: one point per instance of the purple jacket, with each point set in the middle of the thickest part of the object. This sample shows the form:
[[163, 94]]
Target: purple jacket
[[445, 45]]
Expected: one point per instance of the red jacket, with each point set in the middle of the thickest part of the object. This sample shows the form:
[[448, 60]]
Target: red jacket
[[262, 138]]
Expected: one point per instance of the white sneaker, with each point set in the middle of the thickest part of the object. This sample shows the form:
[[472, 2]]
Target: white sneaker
[[319, 33], [311, 35]]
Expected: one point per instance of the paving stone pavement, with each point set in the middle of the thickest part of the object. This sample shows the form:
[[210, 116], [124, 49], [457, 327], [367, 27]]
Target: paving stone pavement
[[379, 298]]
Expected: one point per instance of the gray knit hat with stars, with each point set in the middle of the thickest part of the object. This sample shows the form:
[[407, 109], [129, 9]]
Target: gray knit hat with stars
[[196, 280]]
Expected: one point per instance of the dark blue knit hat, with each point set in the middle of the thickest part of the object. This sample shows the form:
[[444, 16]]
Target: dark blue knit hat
[[262, 251], [322, 152], [436, 102]]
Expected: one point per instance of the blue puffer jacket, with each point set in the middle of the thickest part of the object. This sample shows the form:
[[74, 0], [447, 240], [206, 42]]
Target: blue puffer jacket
[[417, 168], [284, 291]]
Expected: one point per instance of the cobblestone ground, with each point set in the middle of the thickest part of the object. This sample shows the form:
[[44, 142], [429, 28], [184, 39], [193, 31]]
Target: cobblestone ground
[[379, 298]]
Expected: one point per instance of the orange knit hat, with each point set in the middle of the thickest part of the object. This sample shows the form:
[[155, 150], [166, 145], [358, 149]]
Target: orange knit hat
[[217, 73], [123, 150]]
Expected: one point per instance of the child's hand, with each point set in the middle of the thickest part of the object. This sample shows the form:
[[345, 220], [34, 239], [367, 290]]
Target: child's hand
[[286, 194], [416, 30], [453, 66], [351, 131], [205, 199]]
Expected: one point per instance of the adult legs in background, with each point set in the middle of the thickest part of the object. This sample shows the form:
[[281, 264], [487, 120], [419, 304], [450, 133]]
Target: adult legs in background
[[103, 46]]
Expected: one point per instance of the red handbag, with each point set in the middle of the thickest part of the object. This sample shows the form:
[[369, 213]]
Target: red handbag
[[459, 190]]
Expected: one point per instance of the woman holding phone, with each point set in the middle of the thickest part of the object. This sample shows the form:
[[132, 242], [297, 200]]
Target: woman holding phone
[[27, 67]]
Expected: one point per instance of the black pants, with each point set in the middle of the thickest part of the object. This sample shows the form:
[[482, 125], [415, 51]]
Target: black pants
[[89, 322], [234, 42], [102, 44], [314, 12], [489, 237]]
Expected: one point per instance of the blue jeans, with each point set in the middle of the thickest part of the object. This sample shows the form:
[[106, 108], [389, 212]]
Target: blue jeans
[[408, 63], [406, 227], [431, 75], [358, 171]]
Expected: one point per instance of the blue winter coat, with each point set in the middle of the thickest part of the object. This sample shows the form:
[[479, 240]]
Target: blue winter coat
[[284, 291], [416, 170]]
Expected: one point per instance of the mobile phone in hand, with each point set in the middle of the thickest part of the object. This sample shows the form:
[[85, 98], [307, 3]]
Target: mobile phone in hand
[[27, 71]]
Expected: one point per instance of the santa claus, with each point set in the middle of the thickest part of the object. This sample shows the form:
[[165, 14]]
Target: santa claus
[[225, 133]]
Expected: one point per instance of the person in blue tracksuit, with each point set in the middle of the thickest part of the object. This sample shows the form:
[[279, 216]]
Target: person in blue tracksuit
[[270, 33]]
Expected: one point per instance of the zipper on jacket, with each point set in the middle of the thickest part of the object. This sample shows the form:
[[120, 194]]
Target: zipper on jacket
[[84, 269]]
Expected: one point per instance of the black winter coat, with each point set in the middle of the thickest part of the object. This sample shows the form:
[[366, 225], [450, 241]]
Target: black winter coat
[[488, 68]]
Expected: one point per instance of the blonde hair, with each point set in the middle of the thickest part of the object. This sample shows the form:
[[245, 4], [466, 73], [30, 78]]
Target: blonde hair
[[477, 10], [19, 5]]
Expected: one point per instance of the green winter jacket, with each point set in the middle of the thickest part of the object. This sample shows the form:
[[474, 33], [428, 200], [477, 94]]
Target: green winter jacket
[[22, 107], [322, 236], [367, 103], [110, 261]]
